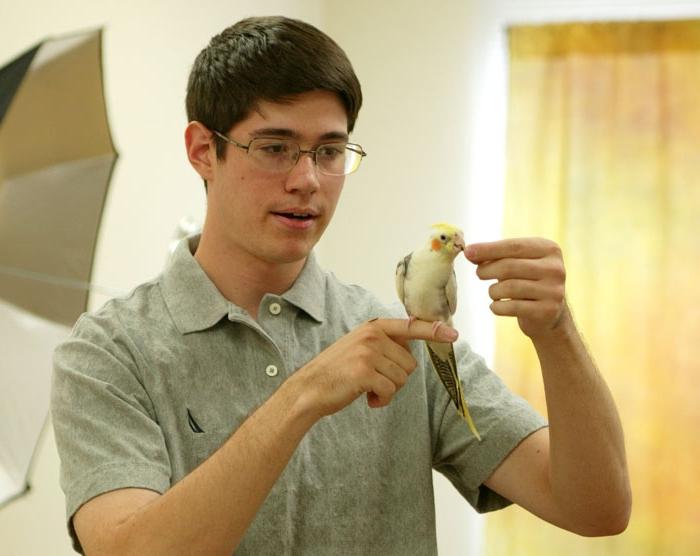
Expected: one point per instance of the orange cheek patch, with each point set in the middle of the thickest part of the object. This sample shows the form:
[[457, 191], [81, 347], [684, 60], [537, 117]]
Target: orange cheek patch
[[435, 245]]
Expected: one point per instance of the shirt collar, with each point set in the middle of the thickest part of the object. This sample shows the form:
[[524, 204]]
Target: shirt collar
[[192, 298], [308, 292], [196, 304]]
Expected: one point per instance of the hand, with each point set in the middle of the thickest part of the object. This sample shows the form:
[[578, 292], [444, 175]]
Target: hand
[[530, 278], [374, 358]]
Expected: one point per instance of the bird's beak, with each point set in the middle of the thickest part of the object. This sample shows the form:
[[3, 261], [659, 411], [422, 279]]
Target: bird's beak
[[459, 242]]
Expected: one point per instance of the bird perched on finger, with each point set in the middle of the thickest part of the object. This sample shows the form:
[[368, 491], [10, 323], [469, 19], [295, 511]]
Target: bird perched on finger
[[427, 287]]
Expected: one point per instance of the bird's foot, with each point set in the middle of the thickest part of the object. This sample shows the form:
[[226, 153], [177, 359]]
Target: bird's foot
[[436, 326]]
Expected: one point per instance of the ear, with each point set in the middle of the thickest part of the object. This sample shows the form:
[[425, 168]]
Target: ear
[[201, 150]]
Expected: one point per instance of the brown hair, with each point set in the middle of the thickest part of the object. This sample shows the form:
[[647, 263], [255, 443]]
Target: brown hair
[[266, 58]]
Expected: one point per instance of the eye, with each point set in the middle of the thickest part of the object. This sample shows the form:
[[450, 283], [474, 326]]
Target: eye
[[271, 148], [443, 237], [274, 148], [330, 151]]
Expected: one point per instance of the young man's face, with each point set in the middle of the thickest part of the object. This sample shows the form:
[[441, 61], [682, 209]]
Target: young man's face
[[249, 208]]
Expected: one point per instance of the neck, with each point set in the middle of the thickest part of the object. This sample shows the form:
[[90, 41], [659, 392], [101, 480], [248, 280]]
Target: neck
[[243, 278]]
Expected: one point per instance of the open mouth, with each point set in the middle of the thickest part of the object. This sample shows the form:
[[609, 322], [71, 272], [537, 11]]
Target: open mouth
[[294, 220], [295, 215]]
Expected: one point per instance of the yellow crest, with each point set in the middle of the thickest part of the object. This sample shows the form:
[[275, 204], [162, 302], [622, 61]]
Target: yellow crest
[[445, 228]]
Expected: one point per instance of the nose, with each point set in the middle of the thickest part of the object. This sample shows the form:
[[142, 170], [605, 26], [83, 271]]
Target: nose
[[303, 177]]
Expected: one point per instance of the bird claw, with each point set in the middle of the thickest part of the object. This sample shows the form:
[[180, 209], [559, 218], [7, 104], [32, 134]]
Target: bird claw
[[436, 326]]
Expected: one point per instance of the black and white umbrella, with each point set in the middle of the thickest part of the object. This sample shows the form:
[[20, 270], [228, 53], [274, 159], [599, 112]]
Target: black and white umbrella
[[56, 160]]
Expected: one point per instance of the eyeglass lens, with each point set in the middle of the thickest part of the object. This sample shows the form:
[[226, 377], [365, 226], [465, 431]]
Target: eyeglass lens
[[335, 159]]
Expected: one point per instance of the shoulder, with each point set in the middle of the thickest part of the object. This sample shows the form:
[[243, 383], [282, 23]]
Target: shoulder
[[144, 304], [117, 329]]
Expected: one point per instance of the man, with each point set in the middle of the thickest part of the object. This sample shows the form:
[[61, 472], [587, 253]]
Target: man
[[247, 401]]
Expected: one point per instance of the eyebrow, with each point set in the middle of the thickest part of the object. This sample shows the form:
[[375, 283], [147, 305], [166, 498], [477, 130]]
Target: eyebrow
[[288, 133]]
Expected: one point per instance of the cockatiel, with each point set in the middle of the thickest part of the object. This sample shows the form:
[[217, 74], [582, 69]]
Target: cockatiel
[[427, 287]]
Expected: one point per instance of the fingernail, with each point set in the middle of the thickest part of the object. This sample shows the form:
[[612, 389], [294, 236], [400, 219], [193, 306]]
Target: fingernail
[[446, 334]]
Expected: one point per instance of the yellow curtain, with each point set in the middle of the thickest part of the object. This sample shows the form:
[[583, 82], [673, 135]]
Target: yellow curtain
[[604, 157]]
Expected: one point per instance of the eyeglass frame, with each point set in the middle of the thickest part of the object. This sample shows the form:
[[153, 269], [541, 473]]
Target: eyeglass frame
[[312, 152]]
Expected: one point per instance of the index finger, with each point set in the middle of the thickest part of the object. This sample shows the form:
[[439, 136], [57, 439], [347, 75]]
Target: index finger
[[404, 329], [519, 248]]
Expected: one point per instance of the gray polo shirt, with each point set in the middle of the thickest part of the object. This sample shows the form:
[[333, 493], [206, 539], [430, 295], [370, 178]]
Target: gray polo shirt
[[149, 386]]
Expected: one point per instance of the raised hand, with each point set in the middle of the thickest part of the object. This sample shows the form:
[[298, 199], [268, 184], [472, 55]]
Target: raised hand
[[530, 278], [374, 358]]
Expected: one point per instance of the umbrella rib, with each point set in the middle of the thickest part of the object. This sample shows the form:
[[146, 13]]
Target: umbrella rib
[[59, 281]]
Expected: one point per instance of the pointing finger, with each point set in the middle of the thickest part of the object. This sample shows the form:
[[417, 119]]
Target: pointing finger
[[404, 329]]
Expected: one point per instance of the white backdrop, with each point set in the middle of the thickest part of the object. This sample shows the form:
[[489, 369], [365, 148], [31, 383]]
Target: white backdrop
[[434, 85]]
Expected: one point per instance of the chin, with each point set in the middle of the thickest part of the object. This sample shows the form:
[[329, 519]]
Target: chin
[[290, 254]]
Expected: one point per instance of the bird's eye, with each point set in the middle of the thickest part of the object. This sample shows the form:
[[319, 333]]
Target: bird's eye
[[443, 237]]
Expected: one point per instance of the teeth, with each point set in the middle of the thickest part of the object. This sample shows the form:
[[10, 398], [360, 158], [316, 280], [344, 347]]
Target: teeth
[[298, 215]]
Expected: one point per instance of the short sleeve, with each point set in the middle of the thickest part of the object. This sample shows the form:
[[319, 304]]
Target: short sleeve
[[502, 418], [106, 432]]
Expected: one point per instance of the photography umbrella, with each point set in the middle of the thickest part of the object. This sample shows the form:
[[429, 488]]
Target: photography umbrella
[[56, 159]]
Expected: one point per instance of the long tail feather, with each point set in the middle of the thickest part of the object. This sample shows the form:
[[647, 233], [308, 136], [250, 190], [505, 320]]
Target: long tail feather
[[446, 369]]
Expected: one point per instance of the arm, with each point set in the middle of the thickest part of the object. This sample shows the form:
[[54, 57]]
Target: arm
[[573, 474], [209, 511]]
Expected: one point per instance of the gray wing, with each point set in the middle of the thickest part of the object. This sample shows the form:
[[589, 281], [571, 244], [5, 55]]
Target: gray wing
[[401, 271], [451, 293]]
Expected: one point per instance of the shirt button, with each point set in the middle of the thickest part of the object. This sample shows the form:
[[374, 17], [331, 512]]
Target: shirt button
[[271, 370], [275, 308]]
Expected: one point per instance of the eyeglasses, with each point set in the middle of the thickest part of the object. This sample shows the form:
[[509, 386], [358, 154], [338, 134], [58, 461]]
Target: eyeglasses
[[281, 155]]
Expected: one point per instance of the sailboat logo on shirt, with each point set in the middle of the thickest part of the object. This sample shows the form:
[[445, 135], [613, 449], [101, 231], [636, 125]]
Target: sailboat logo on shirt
[[193, 424]]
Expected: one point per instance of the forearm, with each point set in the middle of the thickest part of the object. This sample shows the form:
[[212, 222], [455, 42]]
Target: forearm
[[588, 469], [209, 511]]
